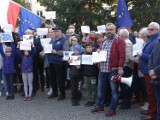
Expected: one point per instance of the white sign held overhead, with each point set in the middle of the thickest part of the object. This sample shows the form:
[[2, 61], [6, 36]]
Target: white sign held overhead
[[5, 37], [42, 31], [25, 46], [85, 29], [50, 15], [101, 28], [28, 38]]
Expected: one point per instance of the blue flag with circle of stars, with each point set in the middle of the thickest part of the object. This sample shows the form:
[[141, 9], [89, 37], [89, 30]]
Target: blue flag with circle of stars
[[28, 20], [123, 16]]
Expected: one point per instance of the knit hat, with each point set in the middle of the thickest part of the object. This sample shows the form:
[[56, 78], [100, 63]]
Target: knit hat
[[8, 49], [78, 48]]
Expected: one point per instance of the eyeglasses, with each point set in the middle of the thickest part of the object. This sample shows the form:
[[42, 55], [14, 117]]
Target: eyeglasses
[[109, 29], [151, 29]]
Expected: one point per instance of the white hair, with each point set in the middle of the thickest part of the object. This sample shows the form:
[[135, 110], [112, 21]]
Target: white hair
[[143, 31], [124, 33], [155, 24]]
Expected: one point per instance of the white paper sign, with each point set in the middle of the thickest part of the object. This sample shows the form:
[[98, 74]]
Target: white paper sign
[[25, 45], [66, 55], [42, 31], [85, 29], [75, 60], [138, 47], [28, 38], [47, 48], [87, 60], [5, 37], [99, 57], [45, 41], [101, 28], [8, 28], [50, 15]]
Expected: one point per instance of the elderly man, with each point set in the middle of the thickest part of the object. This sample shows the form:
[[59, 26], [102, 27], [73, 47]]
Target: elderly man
[[153, 36], [59, 44], [115, 47]]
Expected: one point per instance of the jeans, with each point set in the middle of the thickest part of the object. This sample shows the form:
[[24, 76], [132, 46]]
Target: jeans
[[102, 83], [9, 80], [4, 81], [157, 95]]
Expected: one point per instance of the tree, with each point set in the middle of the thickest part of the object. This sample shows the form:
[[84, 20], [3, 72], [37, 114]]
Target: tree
[[81, 12]]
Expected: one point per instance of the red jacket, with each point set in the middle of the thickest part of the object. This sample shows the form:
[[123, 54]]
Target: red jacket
[[117, 58]]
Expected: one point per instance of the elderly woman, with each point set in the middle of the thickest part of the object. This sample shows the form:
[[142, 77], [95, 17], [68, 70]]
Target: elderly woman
[[154, 72], [128, 68]]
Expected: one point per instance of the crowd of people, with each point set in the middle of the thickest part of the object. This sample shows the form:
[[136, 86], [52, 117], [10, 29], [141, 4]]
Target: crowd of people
[[129, 54]]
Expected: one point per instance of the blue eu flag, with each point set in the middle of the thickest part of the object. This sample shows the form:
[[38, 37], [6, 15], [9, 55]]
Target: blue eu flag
[[123, 16], [28, 20]]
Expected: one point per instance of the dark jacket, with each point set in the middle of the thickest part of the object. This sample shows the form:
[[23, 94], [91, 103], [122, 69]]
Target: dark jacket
[[90, 70], [59, 45], [27, 62], [8, 61], [147, 52], [74, 72], [154, 62]]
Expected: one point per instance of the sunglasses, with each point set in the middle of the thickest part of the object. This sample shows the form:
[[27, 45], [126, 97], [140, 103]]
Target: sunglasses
[[151, 29]]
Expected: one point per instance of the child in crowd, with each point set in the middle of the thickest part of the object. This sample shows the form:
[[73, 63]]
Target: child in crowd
[[27, 70], [75, 76], [8, 68], [90, 73]]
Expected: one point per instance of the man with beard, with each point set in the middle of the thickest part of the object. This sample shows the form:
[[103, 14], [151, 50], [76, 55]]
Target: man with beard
[[115, 47]]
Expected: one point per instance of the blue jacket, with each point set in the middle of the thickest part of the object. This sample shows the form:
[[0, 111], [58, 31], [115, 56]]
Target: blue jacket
[[58, 46], [154, 62], [147, 52], [27, 62], [8, 61]]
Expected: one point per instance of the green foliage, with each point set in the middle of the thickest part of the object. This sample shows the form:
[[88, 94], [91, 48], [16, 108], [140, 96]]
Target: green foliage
[[21, 2]]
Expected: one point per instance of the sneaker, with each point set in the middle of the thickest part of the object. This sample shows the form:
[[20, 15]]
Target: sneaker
[[145, 106], [29, 98], [110, 113], [97, 109], [50, 92], [6, 93], [26, 98], [92, 103], [8, 97], [0, 94], [11, 97], [87, 104], [144, 112], [61, 97]]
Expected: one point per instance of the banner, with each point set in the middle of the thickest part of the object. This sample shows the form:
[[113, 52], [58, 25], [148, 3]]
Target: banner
[[28, 38], [45, 41], [75, 60], [85, 29], [5, 37], [99, 57], [42, 31], [50, 15], [47, 48], [101, 28], [66, 55]]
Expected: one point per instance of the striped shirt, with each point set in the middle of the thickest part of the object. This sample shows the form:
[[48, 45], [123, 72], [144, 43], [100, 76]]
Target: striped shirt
[[104, 66]]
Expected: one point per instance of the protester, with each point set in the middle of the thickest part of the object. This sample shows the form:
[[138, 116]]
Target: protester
[[115, 47], [154, 72], [8, 68], [153, 36], [90, 73], [27, 70]]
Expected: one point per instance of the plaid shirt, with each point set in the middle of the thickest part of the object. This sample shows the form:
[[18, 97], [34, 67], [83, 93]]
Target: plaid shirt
[[104, 66]]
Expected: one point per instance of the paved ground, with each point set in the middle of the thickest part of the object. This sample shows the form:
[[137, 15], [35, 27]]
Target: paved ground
[[41, 108]]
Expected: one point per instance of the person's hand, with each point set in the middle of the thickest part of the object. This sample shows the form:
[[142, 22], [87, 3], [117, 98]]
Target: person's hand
[[18, 44], [120, 72], [78, 66], [153, 77], [151, 73], [54, 51], [98, 50], [83, 34]]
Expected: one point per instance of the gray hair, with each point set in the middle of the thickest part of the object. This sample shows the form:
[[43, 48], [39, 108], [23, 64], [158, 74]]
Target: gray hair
[[155, 24], [109, 24], [124, 33], [143, 31]]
